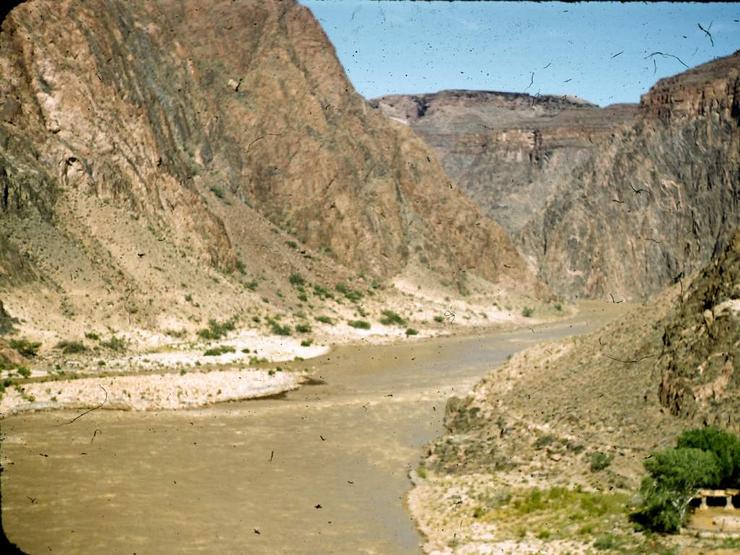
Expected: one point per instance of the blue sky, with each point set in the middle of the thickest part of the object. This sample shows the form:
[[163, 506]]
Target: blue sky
[[547, 48]]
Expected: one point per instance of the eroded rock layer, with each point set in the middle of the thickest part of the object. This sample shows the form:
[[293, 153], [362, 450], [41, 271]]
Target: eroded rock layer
[[134, 133], [618, 200]]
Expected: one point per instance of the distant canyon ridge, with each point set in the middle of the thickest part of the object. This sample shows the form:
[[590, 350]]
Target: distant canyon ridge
[[621, 200]]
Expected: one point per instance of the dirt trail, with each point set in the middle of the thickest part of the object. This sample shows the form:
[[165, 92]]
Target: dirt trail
[[319, 470]]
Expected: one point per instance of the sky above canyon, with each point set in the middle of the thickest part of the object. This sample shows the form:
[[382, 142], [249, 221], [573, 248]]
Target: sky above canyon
[[602, 52]]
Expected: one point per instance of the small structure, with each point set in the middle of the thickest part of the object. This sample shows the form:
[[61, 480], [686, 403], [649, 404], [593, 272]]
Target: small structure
[[716, 514], [726, 493]]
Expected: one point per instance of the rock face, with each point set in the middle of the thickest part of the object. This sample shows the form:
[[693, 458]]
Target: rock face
[[507, 150], [656, 201], [701, 346], [549, 415], [618, 200], [134, 133]]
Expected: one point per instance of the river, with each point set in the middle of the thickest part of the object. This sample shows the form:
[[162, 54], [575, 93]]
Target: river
[[319, 470]]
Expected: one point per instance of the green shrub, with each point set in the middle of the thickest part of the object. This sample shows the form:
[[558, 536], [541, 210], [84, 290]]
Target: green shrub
[[220, 350], [216, 329], [306, 342], [351, 294], [360, 324], [277, 329], [296, 280], [724, 445], [92, 336], [391, 318], [605, 542], [115, 343], [292, 244], [251, 285], [322, 292], [325, 320], [303, 328], [544, 441], [218, 191], [411, 331], [673, 478], [23, 372], [241, 267], [71, 347], [527, 311], [25, 347], [439, 319], [599, 461], [558, 307]]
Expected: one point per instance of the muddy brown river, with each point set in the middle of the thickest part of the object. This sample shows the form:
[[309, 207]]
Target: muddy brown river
[[320, 470]]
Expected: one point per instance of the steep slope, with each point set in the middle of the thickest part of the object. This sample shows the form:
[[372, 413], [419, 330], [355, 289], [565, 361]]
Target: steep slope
[[140, 141], [507, 150], [545, 417], [617, 200], [657, 200]]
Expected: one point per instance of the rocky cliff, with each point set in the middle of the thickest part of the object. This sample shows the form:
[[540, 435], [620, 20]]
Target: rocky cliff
[[657, 200], [144, 140], [582, 414], [701, 346], [507, 150], [619, 200]]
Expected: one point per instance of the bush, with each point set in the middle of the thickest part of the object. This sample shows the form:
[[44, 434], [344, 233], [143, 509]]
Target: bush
[[322, 292], [674, 476], [599, 461], [296, 280], [391, 318], [411, 331], [303, 328], [527, 311], [23, 372], [216, 329], [306, 342], [439, 319], [25, 347], [115, 344], [71, 347], [325, 320], [351, 294], [725, 446], [605, 542], [360, 324], [220, 350], [92, 336], [277, 329]]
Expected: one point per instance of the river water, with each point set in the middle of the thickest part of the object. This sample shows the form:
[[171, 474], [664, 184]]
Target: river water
[[319, 470]]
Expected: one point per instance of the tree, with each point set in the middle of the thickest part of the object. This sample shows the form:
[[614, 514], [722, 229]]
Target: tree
[[724, 445], [674, 476]]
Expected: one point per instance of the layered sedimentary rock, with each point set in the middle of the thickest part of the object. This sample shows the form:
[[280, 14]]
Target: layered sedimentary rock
[[619, 200], [137, 135], [507, 150]]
